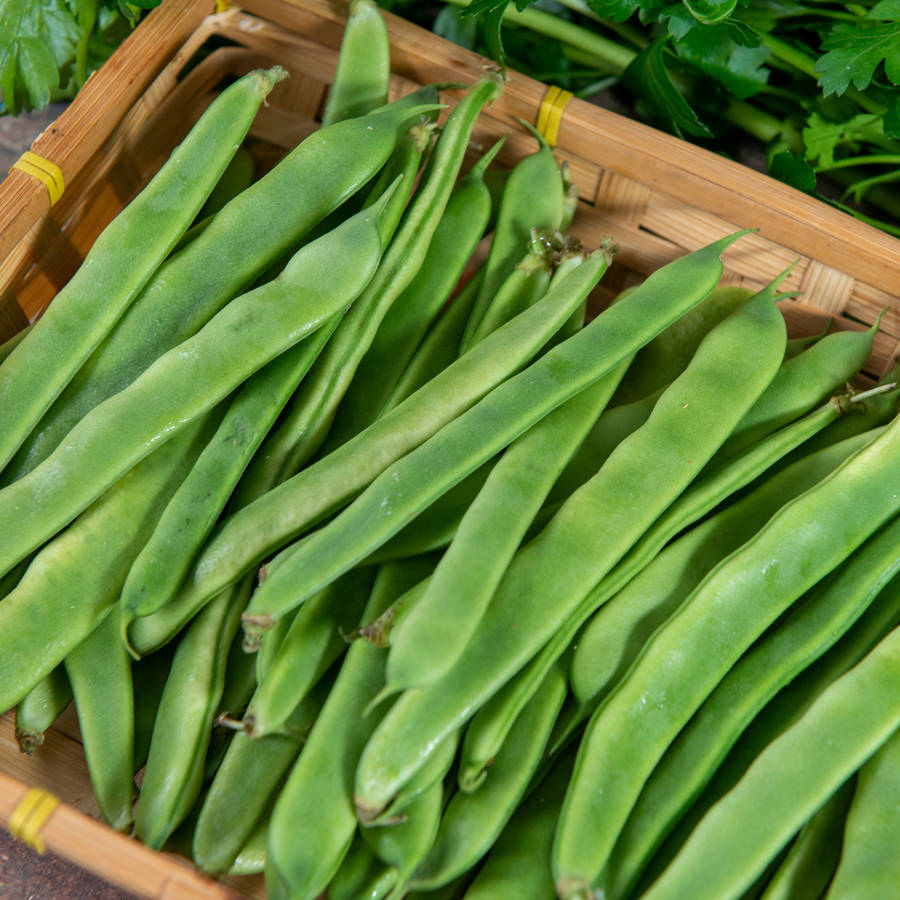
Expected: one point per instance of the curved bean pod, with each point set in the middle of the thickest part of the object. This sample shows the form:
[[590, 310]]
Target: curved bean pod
[[242, 540], [461, 226], [40, 708], [801, 544], [868, 866], [790, 780], [186, 382], [99, 671], [184, 722], [9, 345], [363, 70], [362, 875], [122, 259]]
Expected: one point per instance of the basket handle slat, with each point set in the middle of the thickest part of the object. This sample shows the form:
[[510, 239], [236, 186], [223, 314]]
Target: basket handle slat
[[88, 121]]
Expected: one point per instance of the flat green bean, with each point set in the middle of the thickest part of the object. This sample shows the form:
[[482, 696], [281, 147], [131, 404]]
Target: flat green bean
[[40, 708]]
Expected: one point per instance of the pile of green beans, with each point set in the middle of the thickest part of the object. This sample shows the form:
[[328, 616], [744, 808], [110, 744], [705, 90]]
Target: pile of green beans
[[393, 573]]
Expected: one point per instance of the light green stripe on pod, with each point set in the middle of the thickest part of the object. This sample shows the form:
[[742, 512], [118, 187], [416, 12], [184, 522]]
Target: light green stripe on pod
[[869, 868], [244, 238], [40, 708], [122, 259], [364, 65], [472, 822], [811, 861], [790, 780], [99, 669], [803, 542], [77, 576], [185, 382]]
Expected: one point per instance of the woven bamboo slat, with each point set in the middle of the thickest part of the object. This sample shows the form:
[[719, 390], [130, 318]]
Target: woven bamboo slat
[[657, 197]]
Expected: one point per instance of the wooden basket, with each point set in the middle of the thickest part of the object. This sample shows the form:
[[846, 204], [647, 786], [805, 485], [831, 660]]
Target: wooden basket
[[657, 196]]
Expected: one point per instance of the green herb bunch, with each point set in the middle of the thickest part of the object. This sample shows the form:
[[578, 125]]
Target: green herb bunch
[[48, 48], [816, 83]]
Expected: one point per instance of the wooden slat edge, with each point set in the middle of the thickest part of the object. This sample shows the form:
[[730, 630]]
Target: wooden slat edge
[[87, 122], [113, 857]]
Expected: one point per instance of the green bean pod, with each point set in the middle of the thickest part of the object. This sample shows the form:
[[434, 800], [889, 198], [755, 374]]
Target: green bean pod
[[523, 287], [472, 822], [702, 744], [802, 542], [637, 482], [615, 634], [802, 382], [313, 822], [99, 670], [440, 346], [518, 864], [405, 843], [241, 541], [186, 382], [461, 226], [532, 197], [184, 723], [76, 577], [790, 780], [252, 857], [9, 345], [435, 633], [237, 177], [315, 405], [362, 875], [148, 676], [40, 708], [312, 644], [799, 344], [668, 354], [122, 259], [811, 861], [245, 237], [269, 647], [380, 632], [868, 866], [363, 70]]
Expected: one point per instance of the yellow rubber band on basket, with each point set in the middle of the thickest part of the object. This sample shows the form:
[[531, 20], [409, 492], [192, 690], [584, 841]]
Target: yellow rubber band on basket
[[44, 170], [30, 816], [222, 5], [550, 113]]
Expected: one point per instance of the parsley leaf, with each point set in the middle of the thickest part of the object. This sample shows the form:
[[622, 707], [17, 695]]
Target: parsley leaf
[[793, 171], [711, 12], [853, 52], [647, 76], [713, 51], [822, 136], [615, 10]]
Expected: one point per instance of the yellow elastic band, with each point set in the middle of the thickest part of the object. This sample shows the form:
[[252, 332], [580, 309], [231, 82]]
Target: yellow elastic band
[[222, 5], [43, 170], [30, 816], [551, 111]]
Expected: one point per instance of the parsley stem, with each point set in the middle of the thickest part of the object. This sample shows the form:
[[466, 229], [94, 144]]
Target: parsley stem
[[870, 159]]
